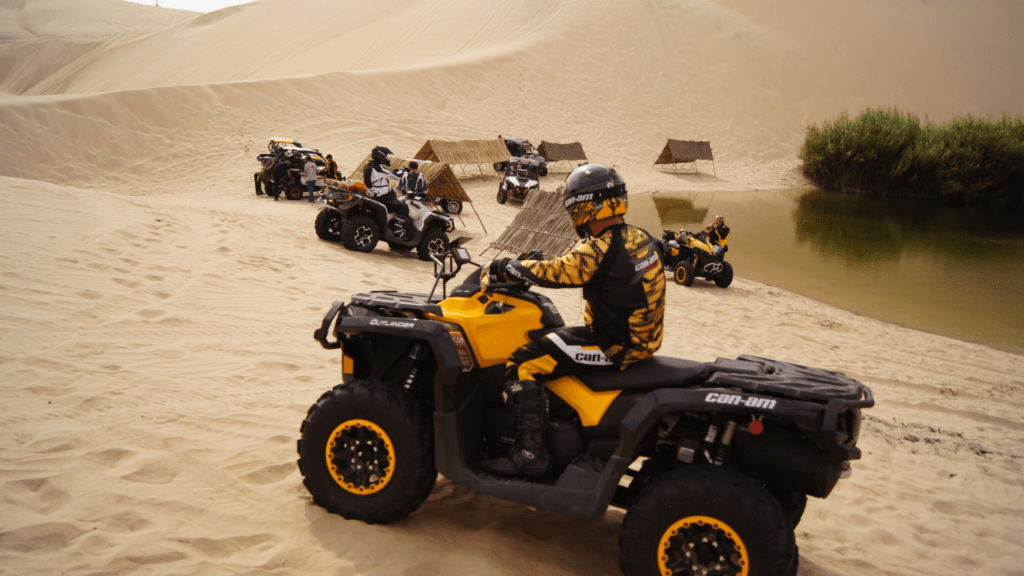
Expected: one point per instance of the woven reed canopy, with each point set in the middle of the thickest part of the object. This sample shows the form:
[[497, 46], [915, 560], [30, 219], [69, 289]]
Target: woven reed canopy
[[463, 151], [569, 152], [541, 224], [686, 152]]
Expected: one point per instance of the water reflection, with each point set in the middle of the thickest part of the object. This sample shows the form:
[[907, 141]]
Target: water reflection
[[866, 230], [949, 270]]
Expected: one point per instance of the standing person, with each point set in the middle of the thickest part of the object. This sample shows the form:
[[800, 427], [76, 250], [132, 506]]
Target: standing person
[[310, 171], [278, 171], [623, 281], [376, 175], [332, 168]]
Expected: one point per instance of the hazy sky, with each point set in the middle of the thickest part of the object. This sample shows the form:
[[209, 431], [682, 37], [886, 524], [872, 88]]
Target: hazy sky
[[193, 5]]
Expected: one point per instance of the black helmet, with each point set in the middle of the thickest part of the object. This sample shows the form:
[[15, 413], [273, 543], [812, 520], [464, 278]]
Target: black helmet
[[380, 154], [594, 192]]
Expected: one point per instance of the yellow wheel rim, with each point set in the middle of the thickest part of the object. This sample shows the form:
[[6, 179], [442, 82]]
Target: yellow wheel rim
[[360, 457], [681, 274], [704, 543]]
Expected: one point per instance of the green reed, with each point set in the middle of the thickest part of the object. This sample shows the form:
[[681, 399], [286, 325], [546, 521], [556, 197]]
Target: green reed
[[887, 152]]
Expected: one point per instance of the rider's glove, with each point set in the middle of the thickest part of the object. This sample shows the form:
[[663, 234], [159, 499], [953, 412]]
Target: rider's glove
[[533, 255]]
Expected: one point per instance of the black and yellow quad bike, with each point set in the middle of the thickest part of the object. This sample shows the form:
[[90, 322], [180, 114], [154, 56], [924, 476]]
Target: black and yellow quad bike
[[713, 462], [688, 256]]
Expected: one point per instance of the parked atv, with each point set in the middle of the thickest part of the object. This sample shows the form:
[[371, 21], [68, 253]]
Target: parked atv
[[521, 176], [712, 461], [283, 169], [687, 256], [519, 148], [359, 222]]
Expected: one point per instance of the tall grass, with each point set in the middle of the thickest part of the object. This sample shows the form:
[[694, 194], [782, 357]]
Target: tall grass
[[887, 152]]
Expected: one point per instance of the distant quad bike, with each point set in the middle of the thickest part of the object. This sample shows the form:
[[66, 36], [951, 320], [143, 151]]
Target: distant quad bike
[[519, 148], [359, 222], [283, 168], [521, 176], [449, 205], [713, 462], [687, 256]]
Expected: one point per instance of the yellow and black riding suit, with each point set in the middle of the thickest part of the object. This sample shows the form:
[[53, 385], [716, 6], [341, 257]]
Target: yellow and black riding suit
[[717, 234], [623, 283]]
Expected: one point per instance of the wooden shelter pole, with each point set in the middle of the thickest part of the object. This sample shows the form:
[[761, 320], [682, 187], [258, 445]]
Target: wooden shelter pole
[[478, 217]]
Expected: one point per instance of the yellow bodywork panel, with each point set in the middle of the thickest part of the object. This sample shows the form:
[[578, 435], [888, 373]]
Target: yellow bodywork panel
[[495, 336], [590, 405]]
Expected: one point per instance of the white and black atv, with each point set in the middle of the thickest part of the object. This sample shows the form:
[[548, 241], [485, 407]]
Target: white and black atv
[[521, 176], [359, 222]]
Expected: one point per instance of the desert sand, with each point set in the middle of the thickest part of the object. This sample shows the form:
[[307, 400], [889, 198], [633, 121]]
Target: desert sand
[[156, 316]]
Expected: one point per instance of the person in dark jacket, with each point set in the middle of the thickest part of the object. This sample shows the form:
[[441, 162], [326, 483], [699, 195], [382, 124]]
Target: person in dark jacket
[[717, 234], [623, 280], [331, 170]]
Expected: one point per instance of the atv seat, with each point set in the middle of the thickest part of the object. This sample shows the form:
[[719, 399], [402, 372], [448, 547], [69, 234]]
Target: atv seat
[[655, 372]]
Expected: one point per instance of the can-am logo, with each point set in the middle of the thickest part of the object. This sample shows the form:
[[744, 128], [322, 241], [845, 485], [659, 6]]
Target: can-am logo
[[646, 263], [740, 400], [578, 199], [391, 324]]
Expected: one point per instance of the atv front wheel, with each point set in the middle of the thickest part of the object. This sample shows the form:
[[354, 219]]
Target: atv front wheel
[[542, 171], [434, 243], [293, 192], [724, 278], [500, 166], [502, 196], [683, 273], [707, 520], [366, 453], [259, 185], [329, 225], [360, 234]]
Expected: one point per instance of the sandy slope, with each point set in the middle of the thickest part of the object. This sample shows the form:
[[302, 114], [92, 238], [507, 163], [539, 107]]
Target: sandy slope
[[155, 333]]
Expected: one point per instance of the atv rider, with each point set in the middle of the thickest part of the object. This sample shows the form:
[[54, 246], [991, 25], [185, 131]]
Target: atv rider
[[623, 282], [412, 181], [717, 234], [376, 174]]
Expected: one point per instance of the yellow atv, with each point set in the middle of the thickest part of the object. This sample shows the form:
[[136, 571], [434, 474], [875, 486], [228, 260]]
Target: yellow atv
[[712, 461], [687, 256]]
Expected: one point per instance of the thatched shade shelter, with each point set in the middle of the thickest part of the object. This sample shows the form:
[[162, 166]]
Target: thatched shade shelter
[[441, 181], [571, 152], [541, 224], [464, 152], [685, 152]]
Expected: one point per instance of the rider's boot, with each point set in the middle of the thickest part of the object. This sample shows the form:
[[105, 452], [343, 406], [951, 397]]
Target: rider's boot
[[529, 457], [398, 226]]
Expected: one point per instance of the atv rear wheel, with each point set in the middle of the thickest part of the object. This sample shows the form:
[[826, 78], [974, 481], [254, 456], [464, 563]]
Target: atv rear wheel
[[724, 278], [293, 192], [366, 453], [434, 243], [683, 273], [329, 225], [707, 520], [542, 171], [453, 206], [502, 196], [360, 234]]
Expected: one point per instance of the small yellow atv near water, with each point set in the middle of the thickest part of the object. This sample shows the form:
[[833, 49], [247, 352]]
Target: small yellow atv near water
[[713, 462]]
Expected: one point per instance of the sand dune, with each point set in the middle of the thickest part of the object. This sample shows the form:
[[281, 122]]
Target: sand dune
[[155, 333]]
